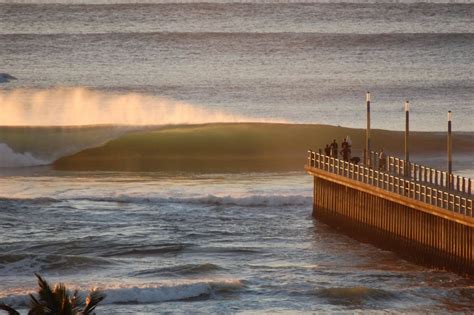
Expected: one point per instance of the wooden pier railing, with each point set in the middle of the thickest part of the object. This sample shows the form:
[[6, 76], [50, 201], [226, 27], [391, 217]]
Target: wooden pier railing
[[421, 173], [420, 183]]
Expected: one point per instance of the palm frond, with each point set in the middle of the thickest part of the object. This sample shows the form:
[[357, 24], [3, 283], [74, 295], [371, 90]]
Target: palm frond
[[9, 309], [46, 295], [36, 307], [62, 300], [76, 301], [94, 298]]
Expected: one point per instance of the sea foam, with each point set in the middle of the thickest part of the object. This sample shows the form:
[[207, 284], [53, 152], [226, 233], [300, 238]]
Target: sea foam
[[10, 158], [268, 200], [152, 293]]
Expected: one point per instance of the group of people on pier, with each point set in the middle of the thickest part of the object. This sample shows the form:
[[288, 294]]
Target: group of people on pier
[[333, 149]]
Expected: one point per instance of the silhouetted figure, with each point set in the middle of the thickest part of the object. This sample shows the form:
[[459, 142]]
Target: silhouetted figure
[[334, 148], [344, 144], [382, 160], [345, 153], [346, 150], [327, 150]]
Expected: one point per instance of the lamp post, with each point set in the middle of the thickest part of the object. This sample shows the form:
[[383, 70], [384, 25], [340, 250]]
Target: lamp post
[[367, 133], [450, 153], [407, 133]]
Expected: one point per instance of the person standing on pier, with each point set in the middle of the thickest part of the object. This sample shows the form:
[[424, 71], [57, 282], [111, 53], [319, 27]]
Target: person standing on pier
[[327, 150], [346, 150], [382, 160], [334, 149], [345, 153]]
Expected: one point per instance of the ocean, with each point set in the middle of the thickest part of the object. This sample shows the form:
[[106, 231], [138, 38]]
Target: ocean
[[155, 149]]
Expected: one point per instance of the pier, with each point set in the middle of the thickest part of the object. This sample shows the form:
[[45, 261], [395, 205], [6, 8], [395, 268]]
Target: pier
[[423, 214]]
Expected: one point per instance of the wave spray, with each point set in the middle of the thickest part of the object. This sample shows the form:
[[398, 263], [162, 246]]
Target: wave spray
[[80, 106]]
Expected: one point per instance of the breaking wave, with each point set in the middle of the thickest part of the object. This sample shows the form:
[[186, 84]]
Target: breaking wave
[[40, 126], [236, 147], [85, 129], [267, 200], [212, 200], [10, 158], [172, 291]]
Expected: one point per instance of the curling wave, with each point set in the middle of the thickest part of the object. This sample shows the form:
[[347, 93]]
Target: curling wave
[[236, 147]]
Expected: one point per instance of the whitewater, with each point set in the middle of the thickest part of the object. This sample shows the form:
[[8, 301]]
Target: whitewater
[[155, 149]]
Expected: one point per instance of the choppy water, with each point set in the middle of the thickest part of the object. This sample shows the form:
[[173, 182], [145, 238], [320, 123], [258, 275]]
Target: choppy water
[[215, 243], [202, 244]]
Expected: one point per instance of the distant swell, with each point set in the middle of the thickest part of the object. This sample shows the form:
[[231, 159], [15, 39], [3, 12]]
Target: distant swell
[[137, 251], [29, 263]]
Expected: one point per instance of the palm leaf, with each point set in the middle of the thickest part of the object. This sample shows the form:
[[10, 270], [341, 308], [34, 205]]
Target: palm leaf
[[76, 301], [94, 298], [7, 308], [36, 308], [62, 300], [46, 296]]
